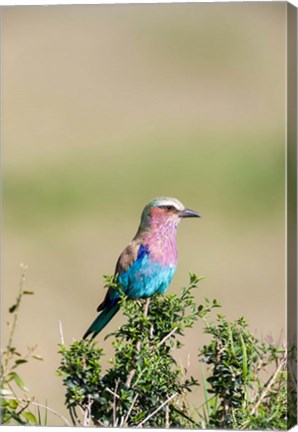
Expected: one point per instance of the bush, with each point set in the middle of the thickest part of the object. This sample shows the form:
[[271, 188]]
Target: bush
[[144, 386], [246, 384], [17, 406], [243, 396]]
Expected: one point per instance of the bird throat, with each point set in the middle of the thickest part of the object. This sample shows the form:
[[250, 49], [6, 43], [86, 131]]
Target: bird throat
[[161, 240]]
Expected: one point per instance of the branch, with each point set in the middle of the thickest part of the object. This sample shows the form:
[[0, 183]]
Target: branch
[[130, 410], [269, 385], [87, 413], [167, 336], [115, 403], [138, 347], [98, 422], [15, 308], [112, 393], [72, 416], [61, 332], [167, 420], [39, 405], [157, 409]]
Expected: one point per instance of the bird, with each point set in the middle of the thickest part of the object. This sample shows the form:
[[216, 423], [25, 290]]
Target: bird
[[147, 265]]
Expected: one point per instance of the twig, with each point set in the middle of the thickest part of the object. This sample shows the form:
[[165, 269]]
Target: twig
[[76, 415], [115, 403], [269, 385], [187, 417], [87, 413], [15, 317], [72, 416], [139, 377], [151, 331], [138, 348], [39, 405], [167, 421], [130, 409], [24, 408], [61, 332], [98, 422], [157, 409], [112, 393], [146, 307], [133, 371], [12, 390], [167, 336]]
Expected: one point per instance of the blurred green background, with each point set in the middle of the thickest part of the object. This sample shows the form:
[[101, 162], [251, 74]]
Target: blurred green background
[[106, 107]]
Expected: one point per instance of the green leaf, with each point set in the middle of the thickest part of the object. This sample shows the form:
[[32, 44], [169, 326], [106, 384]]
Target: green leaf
[[13, 403], [20, 361], [206, 395], [244, 358], [46, 415], [29, 417], [38, 416], [232, 342], [28, 292], [13, 308], [37, 357], [5, 392], [13, 376]]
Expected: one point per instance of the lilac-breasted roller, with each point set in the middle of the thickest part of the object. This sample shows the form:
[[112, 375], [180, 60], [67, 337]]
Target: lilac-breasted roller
[[147, 266]]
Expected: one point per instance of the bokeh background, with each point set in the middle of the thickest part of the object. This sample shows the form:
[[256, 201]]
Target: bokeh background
[[104, 108]]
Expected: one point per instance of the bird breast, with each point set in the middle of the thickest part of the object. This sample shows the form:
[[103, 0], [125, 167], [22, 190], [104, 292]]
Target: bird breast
[[163, 249]]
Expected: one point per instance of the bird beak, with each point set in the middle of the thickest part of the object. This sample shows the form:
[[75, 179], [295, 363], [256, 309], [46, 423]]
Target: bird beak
[[186, 213]]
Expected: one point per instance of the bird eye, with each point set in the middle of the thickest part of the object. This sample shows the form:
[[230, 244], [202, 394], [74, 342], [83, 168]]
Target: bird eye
[[168, 207]]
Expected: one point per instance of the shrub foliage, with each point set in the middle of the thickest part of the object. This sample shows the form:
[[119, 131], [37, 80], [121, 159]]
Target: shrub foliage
[[144, 385], [247, 383], [17, 405]]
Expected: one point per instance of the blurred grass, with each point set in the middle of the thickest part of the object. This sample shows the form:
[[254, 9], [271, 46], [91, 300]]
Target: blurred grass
[[241, 181]]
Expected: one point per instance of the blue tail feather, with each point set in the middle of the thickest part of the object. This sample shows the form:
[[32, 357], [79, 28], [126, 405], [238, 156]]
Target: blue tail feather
[[102, 320]]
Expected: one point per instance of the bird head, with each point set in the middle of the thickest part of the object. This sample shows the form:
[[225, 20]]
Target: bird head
[[165, 212]]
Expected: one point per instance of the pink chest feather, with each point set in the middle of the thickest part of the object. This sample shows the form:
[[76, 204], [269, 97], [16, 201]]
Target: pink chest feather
[[162, 246]]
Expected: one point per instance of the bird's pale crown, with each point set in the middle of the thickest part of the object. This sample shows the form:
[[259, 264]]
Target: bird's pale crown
[[166, 201], [160, 210]]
